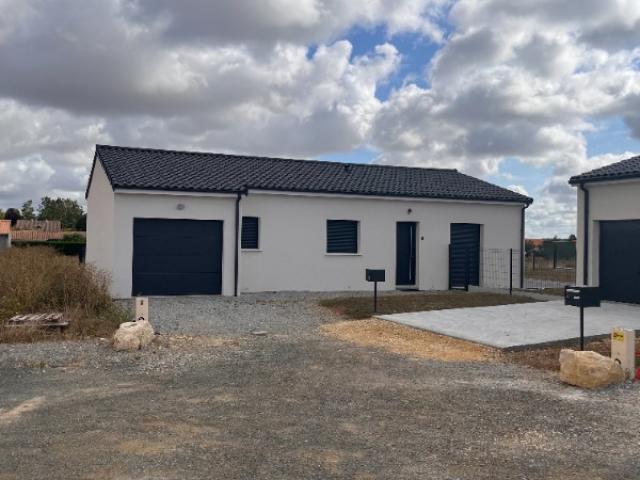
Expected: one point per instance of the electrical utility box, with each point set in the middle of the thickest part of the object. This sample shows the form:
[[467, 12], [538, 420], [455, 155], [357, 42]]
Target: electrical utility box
[[623, 344], [142, 308]]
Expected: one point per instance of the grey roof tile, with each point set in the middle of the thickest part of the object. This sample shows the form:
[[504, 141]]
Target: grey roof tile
[[152, 169], [629, 168]]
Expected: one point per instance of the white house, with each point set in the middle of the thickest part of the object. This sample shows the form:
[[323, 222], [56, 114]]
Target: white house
[[608, 246], [169, 223]]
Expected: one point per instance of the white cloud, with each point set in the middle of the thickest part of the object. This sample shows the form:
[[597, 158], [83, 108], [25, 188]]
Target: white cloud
[[526, 80], [518, 80]]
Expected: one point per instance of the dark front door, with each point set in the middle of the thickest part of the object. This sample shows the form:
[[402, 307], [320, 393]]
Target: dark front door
[[464, 255], [406, 253], [620, 261], [176, 257]]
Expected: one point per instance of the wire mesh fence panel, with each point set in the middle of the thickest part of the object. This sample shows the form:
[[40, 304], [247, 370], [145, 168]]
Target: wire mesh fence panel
[[549, 272], [500, 268]]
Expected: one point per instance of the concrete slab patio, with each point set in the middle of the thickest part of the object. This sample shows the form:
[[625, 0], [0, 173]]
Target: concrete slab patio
[[522, 325]]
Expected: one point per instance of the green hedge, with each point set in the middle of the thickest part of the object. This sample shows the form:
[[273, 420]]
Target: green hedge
[[72, 249]]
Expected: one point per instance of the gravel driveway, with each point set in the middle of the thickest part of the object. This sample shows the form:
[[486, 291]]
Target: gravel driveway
[[282, 313], [295, 404]]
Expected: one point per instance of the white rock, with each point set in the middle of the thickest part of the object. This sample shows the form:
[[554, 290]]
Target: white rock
[[589, 369], [132, 336]]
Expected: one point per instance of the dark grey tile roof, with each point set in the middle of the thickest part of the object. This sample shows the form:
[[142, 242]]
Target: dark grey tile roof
[[151, 169], [629, 168]]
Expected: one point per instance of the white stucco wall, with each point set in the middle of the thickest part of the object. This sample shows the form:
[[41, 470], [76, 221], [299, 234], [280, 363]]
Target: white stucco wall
[[607, 201], [292, 254], [100, 209]]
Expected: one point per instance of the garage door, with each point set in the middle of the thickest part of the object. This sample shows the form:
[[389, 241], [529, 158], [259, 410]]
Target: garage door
[[464, 255], [177, 257], [620, 261]]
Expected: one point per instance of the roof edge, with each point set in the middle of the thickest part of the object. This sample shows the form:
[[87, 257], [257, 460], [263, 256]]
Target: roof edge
[[580, 180], [524, 201]]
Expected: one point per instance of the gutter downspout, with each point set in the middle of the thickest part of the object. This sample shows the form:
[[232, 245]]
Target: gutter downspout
[[522, 249], [236, 260], [585, 234]]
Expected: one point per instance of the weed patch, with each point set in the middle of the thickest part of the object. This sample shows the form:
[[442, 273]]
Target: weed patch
[[37, 280]]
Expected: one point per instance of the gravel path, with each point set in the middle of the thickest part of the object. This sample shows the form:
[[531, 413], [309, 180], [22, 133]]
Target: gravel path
[[296, 404], [291, 313]]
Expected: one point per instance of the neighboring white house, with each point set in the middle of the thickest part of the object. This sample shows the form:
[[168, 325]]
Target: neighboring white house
[[608, 232], [166, 222]]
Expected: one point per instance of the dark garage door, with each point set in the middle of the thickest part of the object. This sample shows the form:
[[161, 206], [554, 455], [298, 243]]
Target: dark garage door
[[464, 255], [177, 257], [620, 261]]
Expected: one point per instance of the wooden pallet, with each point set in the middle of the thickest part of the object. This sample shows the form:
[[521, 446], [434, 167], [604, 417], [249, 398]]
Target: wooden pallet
[[39, 320]]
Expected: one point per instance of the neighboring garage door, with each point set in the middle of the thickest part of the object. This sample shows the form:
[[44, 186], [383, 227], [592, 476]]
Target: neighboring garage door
[[620, 261], [177, 257], [464, 255]]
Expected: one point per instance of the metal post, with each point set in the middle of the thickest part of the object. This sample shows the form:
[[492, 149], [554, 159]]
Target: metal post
[[511, 271], [375, 297], [581, 328], [533, 260], [555, 255], [450, 284], [466, 269]]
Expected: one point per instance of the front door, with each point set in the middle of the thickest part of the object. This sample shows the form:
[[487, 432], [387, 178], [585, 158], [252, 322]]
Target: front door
[[406, 253]]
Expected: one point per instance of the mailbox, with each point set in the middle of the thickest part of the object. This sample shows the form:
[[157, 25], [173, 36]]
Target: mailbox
[[374, 275], [582, 296]]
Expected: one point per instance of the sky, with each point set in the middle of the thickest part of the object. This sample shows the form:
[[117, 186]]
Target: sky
[[523, 94]]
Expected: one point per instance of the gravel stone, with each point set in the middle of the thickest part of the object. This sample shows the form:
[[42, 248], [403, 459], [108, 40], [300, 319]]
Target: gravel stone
[[295, 404]]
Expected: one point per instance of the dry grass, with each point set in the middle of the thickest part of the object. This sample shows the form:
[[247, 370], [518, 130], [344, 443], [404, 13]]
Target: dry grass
[[358, 308], [409, 341], [37, 280]]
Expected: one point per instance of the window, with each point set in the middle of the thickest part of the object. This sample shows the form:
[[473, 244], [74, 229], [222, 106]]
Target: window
[[342, 236], [249, 238]]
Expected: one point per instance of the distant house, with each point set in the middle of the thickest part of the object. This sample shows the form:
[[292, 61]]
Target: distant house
[[609, 229], [169, 223], [5, 234], [37, 230]]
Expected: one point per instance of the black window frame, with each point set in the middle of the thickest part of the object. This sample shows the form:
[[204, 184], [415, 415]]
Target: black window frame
[[254, 232], [339, 228]]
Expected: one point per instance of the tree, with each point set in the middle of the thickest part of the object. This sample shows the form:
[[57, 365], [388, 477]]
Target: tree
[[81, 224], [572, 237], [66, 210], [12, 214], [27, 211], [1, 213]]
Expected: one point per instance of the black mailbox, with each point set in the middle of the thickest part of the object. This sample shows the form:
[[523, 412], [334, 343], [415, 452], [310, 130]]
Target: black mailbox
[[375, 275], [582, 296]]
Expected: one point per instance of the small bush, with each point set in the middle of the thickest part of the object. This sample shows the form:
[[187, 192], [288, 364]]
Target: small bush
[[65, 247], [38, 280]]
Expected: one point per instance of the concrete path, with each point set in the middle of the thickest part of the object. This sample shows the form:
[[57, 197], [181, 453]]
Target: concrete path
[[520, 325]]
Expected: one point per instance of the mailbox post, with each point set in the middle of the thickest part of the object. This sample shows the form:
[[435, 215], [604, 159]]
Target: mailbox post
[[582, 297], [375, 276]]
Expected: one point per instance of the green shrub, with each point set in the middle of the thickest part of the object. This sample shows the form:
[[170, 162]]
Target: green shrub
[[69, 248], [39, 280]]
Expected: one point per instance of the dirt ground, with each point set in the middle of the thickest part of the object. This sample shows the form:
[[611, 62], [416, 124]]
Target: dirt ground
[[307, 406], [419, 343]]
